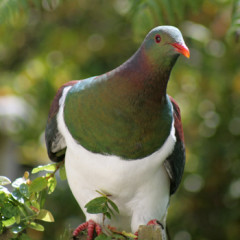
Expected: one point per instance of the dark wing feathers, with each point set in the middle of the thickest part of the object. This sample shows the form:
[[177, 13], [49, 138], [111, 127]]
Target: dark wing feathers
[[174, 164], [55, 142]]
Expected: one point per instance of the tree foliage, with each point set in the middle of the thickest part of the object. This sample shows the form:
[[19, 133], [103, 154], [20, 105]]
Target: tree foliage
[[24, 206]]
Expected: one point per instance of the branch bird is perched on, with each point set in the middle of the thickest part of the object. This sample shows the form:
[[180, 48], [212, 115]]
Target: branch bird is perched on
[[121, 133]]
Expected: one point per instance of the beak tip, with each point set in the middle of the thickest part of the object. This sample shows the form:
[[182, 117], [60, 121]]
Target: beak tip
[[182, 49], [187, 54]]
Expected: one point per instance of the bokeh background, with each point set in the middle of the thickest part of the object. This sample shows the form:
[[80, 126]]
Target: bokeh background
[[45, 43]]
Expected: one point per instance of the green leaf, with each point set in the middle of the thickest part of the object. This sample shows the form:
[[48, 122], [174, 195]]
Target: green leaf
[[9, 222], [114, 206], [17, 195], [4, 190], [127, 234], [17, 229], [49, 167], [4, 180], [42, 197], [1, 227], [52, 183], [18, 182], [110, 210], [8, 210], [3, 197], [18, 218], [108, 215], [96, 201], [118, 236], [34, 203], [36, 226], [62, 172], [38, 184], [45, 215], [24, 190], [97, 209], [97, 205], [103, 237]]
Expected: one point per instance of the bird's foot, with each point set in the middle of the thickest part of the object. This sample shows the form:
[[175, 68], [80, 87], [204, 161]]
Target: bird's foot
[[155, 222], [90, 226]]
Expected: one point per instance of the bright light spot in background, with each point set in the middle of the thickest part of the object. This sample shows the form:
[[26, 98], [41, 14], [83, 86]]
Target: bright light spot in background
[[205, 106], [206, 131], [122, 6], [50, 5], [95, 42], [193, 183], [215, 48], [13, 112], [22, 83], [234, 189], [211, 119], [182, 235], [34, 17], [234, 126], [55, 58], [196, 31], [35, 69], [13, 106]]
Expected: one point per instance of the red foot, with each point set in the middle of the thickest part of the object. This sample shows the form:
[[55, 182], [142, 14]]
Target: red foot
[[90, 226], [153, 222], [136, 233]]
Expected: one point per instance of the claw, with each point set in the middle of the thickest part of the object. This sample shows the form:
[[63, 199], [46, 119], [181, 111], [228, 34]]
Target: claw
[[136, 233], [155, 222], [90, 226]]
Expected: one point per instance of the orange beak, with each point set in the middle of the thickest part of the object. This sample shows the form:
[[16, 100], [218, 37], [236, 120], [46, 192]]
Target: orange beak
[[183, 49]]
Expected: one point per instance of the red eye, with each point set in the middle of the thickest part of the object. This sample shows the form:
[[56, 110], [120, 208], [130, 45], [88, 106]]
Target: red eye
[[158, 38]]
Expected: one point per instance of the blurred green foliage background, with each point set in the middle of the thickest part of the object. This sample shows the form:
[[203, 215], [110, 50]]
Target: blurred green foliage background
[[45, 43]]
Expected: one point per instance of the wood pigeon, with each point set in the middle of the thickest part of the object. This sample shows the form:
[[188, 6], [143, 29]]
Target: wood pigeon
[[121, 133]]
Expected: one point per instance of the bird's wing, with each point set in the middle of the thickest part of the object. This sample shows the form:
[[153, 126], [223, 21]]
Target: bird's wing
[[55, 142], [174, 164]]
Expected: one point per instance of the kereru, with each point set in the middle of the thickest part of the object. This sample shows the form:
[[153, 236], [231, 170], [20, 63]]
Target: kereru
[[120, 133]]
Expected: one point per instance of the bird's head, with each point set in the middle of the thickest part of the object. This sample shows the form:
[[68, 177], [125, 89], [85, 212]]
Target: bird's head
[[164, 44]]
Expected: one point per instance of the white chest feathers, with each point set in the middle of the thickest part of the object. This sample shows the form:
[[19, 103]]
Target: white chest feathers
[[140, 188]]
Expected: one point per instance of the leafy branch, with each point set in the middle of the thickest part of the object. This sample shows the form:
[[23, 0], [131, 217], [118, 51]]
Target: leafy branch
[[24, 206], [102, 205], [105, 206]]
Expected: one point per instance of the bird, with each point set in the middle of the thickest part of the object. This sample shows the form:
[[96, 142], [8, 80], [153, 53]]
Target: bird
[[121, 133]]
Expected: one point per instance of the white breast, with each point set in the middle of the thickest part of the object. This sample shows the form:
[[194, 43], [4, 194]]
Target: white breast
[[140, 188]]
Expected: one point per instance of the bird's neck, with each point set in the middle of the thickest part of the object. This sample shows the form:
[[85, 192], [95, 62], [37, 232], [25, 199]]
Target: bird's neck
[[140, 75]]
